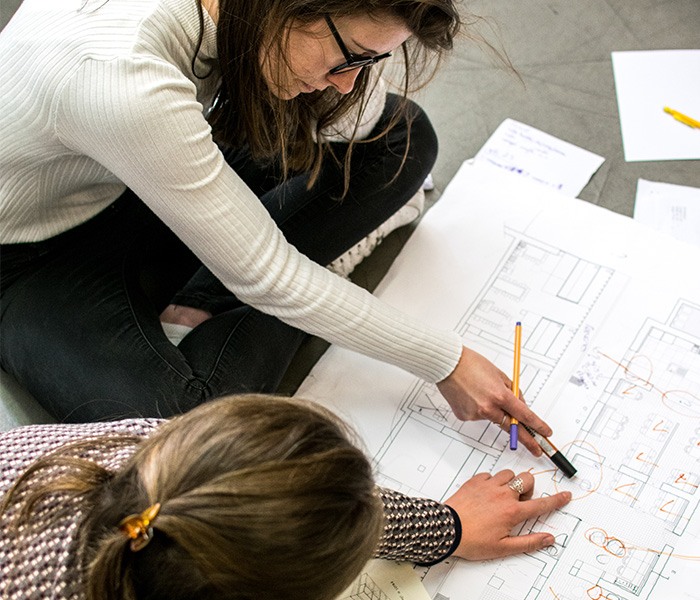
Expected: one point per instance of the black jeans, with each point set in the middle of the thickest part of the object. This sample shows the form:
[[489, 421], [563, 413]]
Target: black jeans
[[80, 312]]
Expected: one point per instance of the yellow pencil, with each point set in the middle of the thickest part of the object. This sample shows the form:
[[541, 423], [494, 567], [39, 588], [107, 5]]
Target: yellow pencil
[[685, 119], [516, 384]]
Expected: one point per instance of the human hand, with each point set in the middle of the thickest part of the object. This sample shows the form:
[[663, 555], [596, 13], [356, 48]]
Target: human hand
[[489, 509], [477, 389]]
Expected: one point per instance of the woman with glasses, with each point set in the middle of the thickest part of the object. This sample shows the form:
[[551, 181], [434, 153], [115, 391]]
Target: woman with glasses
[[199, 163]]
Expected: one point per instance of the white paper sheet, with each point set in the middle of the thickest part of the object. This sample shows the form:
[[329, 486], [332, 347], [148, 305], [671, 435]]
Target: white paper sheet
[[669, 208], [539, 157], [386, 580], [611, 359], [645, 82]]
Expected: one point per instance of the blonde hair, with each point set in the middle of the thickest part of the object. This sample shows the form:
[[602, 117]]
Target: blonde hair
[[261, 497]]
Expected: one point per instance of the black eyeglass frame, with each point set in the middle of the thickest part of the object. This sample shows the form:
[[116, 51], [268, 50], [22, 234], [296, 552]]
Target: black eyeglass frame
[[352, 61]]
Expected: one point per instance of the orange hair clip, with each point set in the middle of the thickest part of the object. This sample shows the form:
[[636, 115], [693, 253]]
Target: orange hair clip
[[138, 527]]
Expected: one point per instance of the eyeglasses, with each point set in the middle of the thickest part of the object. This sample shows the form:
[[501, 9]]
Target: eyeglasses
[[352, 61]]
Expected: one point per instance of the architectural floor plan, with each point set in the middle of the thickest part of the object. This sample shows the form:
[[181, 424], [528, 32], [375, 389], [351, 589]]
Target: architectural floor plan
[[610, 359]]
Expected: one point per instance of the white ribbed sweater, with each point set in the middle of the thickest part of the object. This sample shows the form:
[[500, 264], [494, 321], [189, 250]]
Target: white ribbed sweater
[[97, 95]]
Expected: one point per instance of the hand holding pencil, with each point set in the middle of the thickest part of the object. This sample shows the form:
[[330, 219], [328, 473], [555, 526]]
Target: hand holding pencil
[[477, 389], [547, 447]]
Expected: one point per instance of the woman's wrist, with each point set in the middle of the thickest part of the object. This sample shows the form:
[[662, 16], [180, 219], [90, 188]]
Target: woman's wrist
[[417, 529]]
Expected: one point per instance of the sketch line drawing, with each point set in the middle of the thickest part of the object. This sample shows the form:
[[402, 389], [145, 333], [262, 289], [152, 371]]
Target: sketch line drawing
[[610, 358], [631, 459]]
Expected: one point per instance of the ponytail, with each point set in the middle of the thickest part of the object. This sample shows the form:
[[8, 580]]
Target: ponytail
[[244, 497]]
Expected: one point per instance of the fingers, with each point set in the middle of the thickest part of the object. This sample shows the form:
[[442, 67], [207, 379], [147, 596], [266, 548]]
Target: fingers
[[533, 541], [491, 506], [544, 505], [529, 442], [477, 389], [518, 409], [523, 485], [523, 413], [502, 421], [510, 406], [523, 436], [503, 477], [523, 543]]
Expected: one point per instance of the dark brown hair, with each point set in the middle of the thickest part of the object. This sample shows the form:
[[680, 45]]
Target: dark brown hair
[[261, 497], [246, 111]]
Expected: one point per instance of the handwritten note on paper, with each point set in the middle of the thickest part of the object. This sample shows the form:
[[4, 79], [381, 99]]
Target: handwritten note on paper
[[670, 208], [541, 157], [645, 82]]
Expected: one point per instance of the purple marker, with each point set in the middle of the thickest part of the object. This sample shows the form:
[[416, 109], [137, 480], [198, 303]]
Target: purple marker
[[513, 436]]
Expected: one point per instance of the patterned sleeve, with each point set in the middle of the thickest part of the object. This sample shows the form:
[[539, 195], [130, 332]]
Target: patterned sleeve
[[21, 446], [417, 529]]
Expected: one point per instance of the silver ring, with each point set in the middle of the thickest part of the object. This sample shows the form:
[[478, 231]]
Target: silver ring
[[516, 484]]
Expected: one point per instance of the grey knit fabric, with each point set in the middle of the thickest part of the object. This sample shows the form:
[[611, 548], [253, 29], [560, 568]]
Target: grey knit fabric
[[41, 564]]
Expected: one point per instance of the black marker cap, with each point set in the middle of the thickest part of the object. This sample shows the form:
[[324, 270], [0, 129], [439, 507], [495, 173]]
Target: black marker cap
[[562, 463]]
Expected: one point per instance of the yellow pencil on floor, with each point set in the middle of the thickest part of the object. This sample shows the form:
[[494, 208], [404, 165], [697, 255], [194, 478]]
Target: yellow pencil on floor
[[516, 384]]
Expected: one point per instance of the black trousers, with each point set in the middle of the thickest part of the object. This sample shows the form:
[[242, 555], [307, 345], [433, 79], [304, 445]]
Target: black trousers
[[80, 312]]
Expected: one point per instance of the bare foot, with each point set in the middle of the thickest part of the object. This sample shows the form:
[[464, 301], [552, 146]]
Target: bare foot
[[184, 315]]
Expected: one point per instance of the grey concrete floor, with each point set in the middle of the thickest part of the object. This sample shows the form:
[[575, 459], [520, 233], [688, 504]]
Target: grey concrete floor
[[7, 9], [561, 51], [562, 83]]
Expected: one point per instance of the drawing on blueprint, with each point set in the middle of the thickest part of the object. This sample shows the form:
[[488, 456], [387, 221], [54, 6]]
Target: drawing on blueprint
[[610, 358], [530, 278], [637, 447]]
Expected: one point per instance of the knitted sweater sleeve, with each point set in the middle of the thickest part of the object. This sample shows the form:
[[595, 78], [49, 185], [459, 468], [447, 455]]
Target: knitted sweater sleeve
[[417, 529], [21, 446], [41, 562], [154, 138]]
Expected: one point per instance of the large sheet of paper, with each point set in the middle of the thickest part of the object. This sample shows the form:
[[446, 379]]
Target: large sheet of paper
[[611, 359], [646, 82]]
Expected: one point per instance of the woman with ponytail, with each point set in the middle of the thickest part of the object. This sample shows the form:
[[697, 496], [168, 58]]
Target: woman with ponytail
[[248, 497]]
